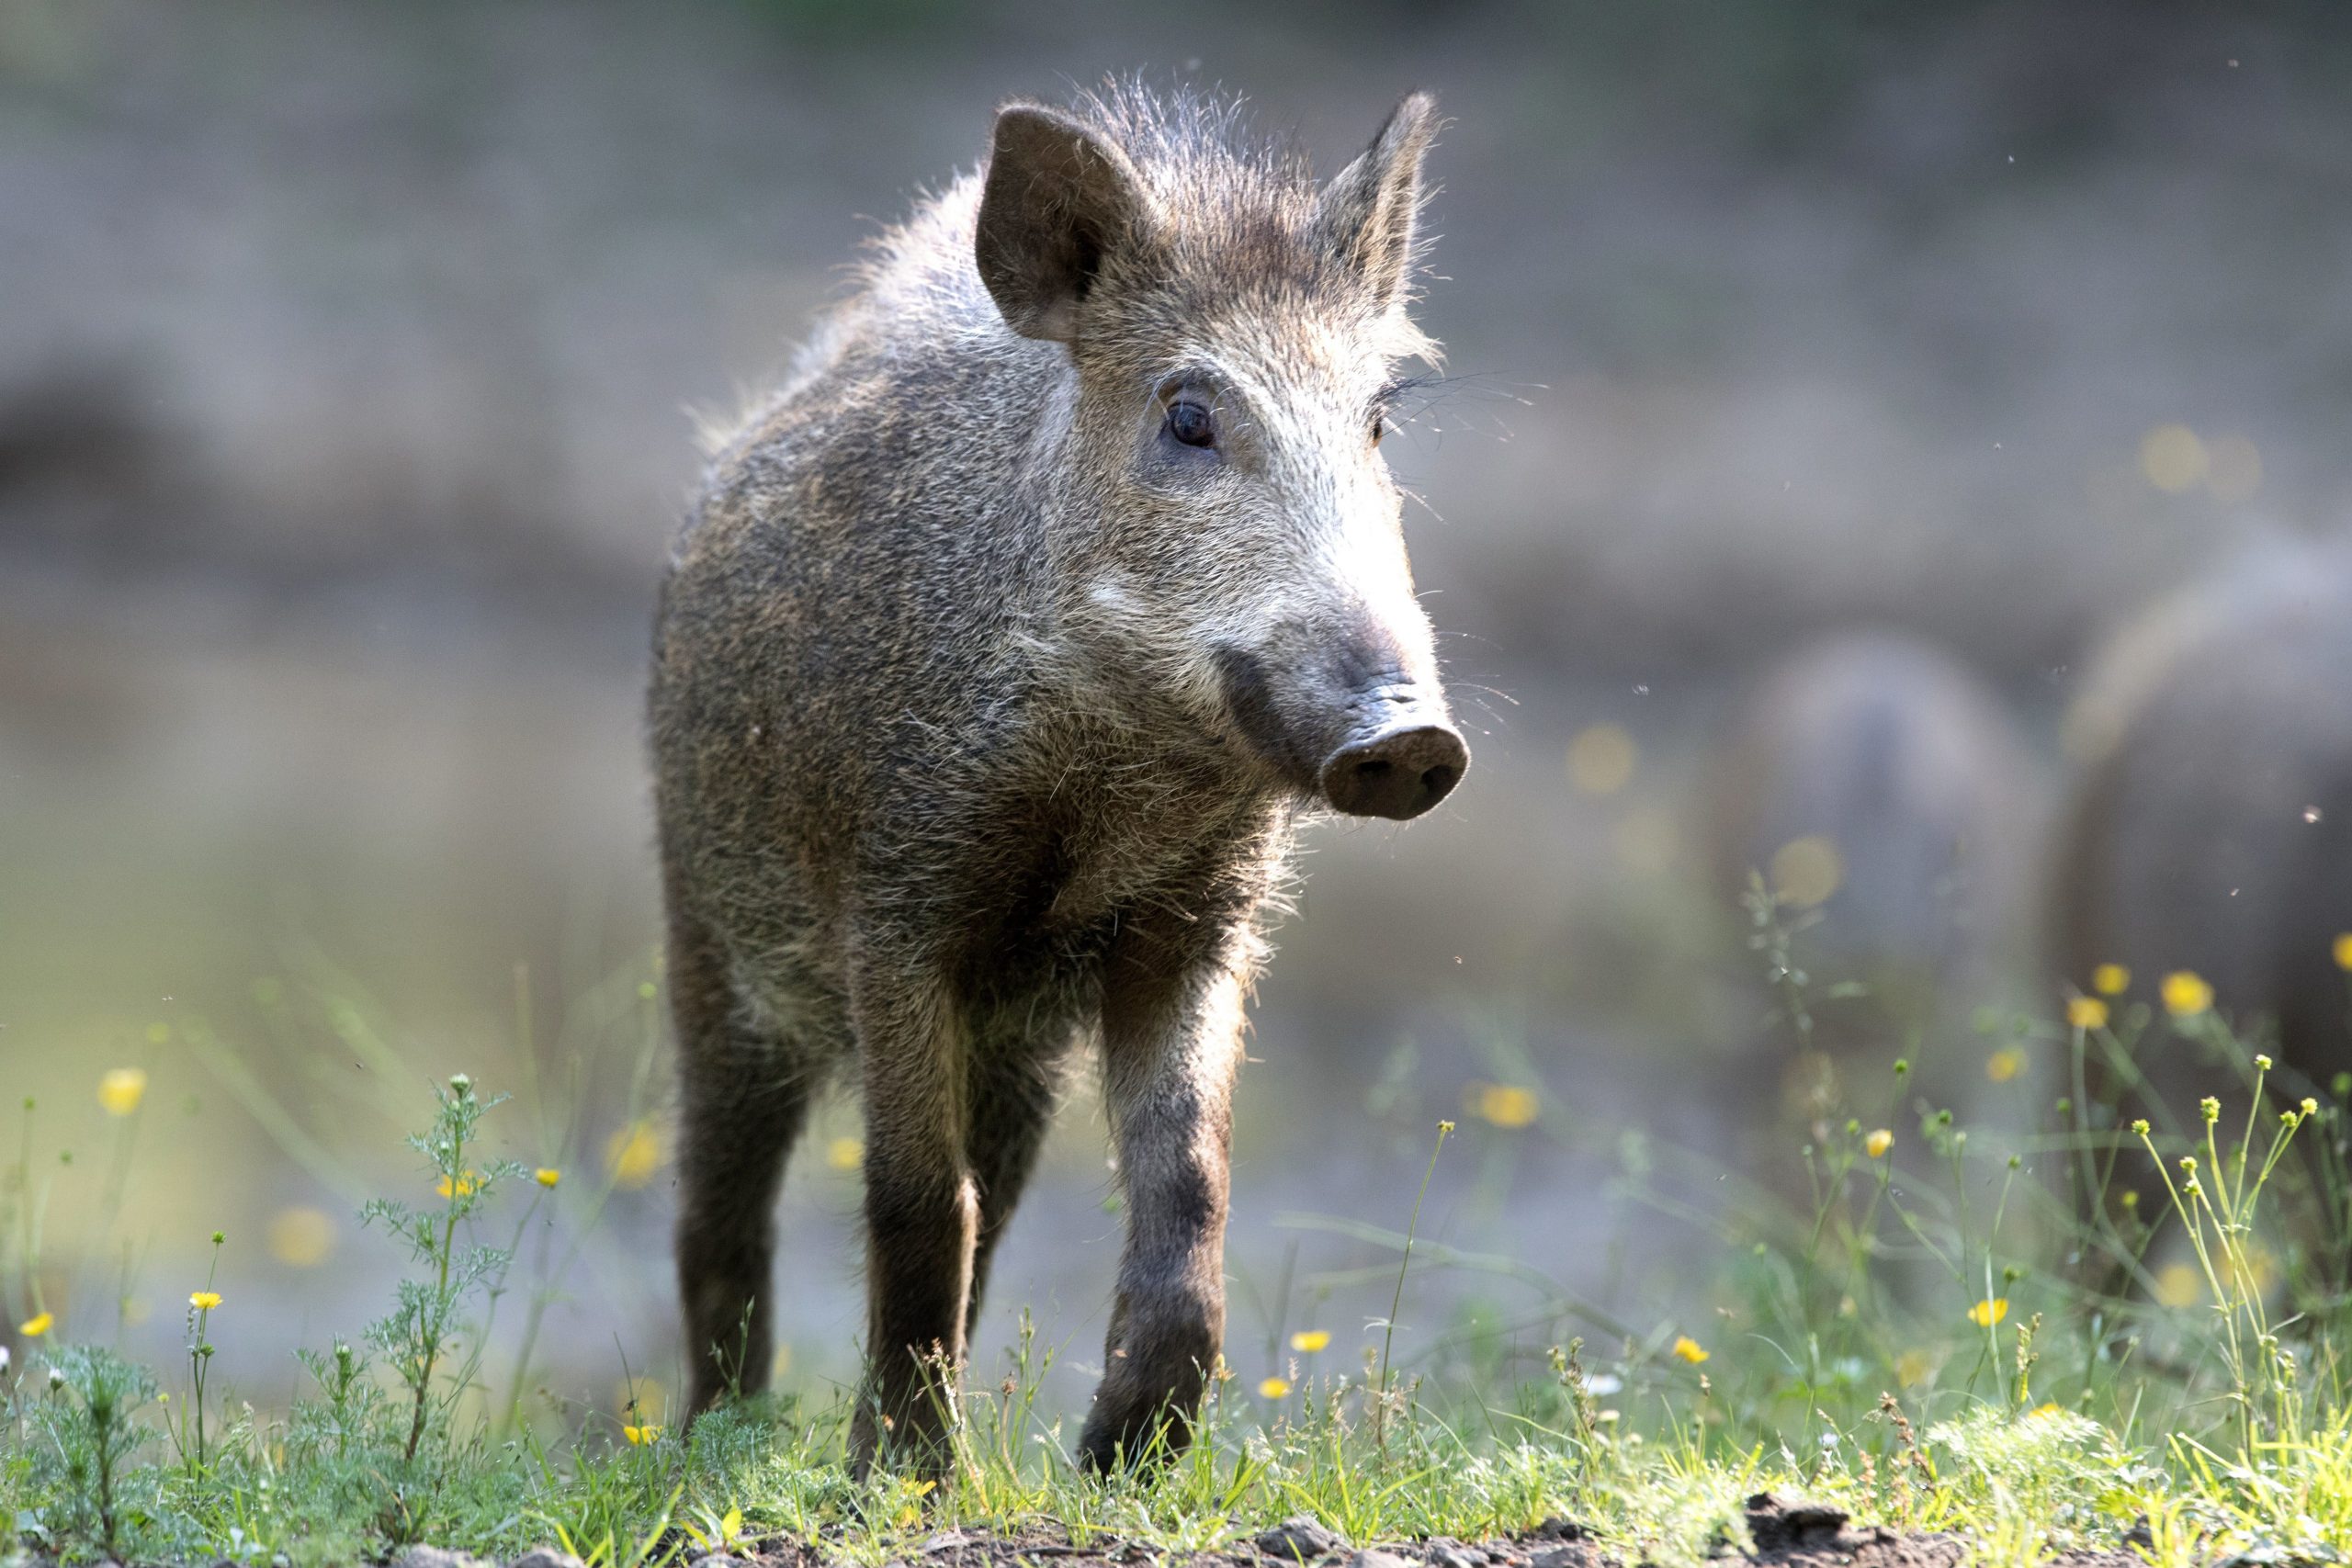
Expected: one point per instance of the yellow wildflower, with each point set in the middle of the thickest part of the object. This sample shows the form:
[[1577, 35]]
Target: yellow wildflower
[[301, 1236], [1273, 1388], [121, 1090], [2343, 950], [204, 1301], [2110, 979], [913, 1491], [639, 1436], [1990, 1311], [634, 1153], [2186, 994], [38, 1324], [547, 1176], [464, 1187], [1307, 1341], [1690, 1349], [1913, 1367], [1505, 1105], [2179, 1285], [2041, 1410], [2085, 1012], [2005, 1063], [1878, 1143], [2311, 1106]]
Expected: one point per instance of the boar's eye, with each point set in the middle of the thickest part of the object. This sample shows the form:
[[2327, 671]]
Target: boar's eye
[[1379, 427], [1192, 423]]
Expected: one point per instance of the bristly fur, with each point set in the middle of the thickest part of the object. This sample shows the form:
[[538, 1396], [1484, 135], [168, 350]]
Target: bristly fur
[[981, 709], [1248, 199], [2210, 821]]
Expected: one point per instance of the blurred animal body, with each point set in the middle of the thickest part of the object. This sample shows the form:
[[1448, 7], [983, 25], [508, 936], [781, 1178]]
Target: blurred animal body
[[1883, 790], [1903, 783], [1008, 638], [2209, 827]]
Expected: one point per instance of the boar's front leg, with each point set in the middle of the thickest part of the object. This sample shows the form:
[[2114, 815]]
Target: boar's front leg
[[1171, 1041], [921, 1217]]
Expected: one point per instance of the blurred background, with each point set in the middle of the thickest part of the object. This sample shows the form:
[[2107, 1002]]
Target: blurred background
[[1826, 382]]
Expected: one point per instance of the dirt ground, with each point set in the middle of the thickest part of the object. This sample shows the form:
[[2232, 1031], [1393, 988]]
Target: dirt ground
[[1781, 1533]]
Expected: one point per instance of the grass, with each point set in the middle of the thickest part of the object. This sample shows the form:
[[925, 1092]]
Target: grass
[[2115, 1313]]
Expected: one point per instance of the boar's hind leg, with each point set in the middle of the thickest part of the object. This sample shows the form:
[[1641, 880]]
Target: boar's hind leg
[[1172, 1034], [1014, 1086], [743, 1102], [922, 1219]]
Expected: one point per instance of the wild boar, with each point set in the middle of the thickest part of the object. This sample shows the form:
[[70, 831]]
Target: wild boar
[[1882, 789], [1007, 640], [2209, 824]]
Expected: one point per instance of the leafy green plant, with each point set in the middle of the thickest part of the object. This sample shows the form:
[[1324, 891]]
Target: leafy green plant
[[427, 1312], [2216, 1204], [86, 1434]]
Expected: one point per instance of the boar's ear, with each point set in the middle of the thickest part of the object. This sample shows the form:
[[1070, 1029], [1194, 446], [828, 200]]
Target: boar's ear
[[1058, 198], [1365, 216]]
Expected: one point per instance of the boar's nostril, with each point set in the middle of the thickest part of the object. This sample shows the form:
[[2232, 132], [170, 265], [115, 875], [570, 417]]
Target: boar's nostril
[[1398, 773]]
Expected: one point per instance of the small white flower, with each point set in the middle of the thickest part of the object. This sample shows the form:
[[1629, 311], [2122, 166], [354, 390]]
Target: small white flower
[[3, 1358], [56, 1379], [1601, 1384]]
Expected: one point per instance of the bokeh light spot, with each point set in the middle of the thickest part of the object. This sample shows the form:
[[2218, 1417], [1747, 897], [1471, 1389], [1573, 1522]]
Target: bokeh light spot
[[301, 1236], [2179, 1285], [1806, 872], [121, 1090], [2172, 458], [1601, 759], [634, 1153], [1501, 1104]]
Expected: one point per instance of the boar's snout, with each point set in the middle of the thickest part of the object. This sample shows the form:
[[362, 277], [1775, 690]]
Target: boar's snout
[[1398, 772]]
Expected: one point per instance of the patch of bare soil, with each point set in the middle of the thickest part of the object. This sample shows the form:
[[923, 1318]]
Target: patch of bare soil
[[1782, 1533]]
